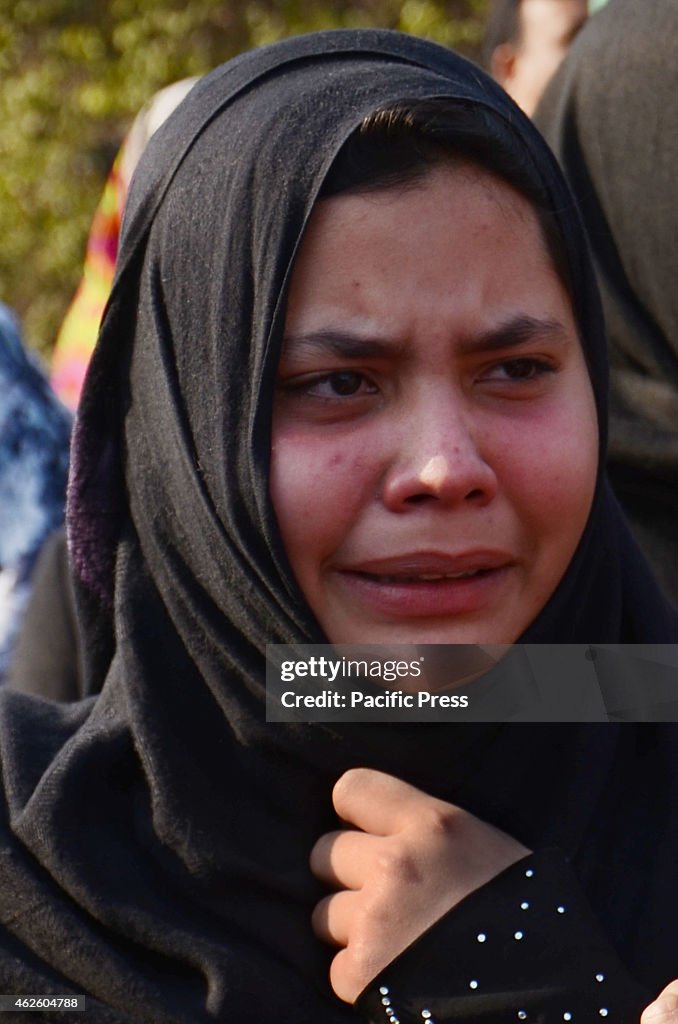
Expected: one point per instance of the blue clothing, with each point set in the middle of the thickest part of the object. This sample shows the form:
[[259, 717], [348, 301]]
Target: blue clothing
[[34, 442]]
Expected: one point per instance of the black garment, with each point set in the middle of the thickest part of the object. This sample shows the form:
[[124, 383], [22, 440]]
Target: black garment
[[47, 655], [525, 947], [156, 839], [611, 117]]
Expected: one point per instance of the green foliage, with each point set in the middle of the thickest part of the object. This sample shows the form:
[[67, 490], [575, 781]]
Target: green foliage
[[74, 72]]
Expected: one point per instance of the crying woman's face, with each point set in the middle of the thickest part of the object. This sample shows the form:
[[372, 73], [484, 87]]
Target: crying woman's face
[[435, 443]]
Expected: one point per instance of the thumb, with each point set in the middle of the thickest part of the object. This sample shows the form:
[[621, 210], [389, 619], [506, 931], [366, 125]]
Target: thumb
[[664, 1010]]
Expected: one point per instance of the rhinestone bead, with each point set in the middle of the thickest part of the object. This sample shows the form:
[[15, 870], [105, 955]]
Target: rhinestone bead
[[600, 977], [517, 936], [522, 1015], [473, 984], [603, 1012], [561, 909], [524, 905], [567, 1016], [383, 990], [481, 936], [529, 873]]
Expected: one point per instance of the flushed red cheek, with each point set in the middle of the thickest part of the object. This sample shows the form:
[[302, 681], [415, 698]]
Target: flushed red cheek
[[546, 488], [349, 464], [316, 488]]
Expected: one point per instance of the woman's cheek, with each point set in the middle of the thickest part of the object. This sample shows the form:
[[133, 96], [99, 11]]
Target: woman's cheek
[[549, 469], [317, 492]]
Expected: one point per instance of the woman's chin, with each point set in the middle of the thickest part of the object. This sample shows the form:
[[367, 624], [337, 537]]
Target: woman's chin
[[482, 634]]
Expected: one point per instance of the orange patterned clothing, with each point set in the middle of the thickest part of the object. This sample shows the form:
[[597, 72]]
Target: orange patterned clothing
[[78, 333], [80, 328]]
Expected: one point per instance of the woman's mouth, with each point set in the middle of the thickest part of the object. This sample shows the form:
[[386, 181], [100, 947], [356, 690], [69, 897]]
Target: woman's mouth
[[428, 585], [425, 577]]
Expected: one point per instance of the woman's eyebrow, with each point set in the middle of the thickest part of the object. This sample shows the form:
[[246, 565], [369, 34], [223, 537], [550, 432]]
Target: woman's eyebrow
[[518, 330], [341, 342], [347, 344]]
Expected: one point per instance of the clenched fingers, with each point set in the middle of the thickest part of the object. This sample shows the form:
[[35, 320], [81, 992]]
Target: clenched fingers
[[376, 802], [340, 859], [334, 916]]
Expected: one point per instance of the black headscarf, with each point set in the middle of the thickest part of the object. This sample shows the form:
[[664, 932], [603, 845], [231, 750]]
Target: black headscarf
[[612, 119], [157, 838]]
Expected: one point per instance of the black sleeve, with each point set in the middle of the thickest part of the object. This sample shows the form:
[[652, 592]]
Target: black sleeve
[[526, 947]]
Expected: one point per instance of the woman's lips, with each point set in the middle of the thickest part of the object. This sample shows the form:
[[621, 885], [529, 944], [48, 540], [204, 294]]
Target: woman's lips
[[428, 585]]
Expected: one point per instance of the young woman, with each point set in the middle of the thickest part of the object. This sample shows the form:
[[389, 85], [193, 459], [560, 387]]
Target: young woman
[[350, 386]]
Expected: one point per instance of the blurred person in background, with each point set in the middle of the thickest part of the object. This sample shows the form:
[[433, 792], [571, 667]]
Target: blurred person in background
[[47, 655], [78, 333], [611, 117], [526, 41], [34, 439]]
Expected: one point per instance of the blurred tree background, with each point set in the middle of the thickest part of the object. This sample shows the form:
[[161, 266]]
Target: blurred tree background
[[73, 73]]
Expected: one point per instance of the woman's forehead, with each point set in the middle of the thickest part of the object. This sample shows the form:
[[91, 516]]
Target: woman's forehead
[[464, 247]]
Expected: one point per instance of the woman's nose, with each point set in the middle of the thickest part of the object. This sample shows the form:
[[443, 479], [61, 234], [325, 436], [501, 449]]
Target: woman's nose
[[438, 457]]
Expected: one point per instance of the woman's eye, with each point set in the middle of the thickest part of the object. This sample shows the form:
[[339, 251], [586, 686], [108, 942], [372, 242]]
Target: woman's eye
[[328, 397], [342, 384], [524, 369]]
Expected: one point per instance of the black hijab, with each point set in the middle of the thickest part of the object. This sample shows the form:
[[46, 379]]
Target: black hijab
[[612, 119], [156, 839]]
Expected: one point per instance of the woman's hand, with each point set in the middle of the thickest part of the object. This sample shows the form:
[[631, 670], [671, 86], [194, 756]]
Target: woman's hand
[[664, 1010], [406, 859]]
